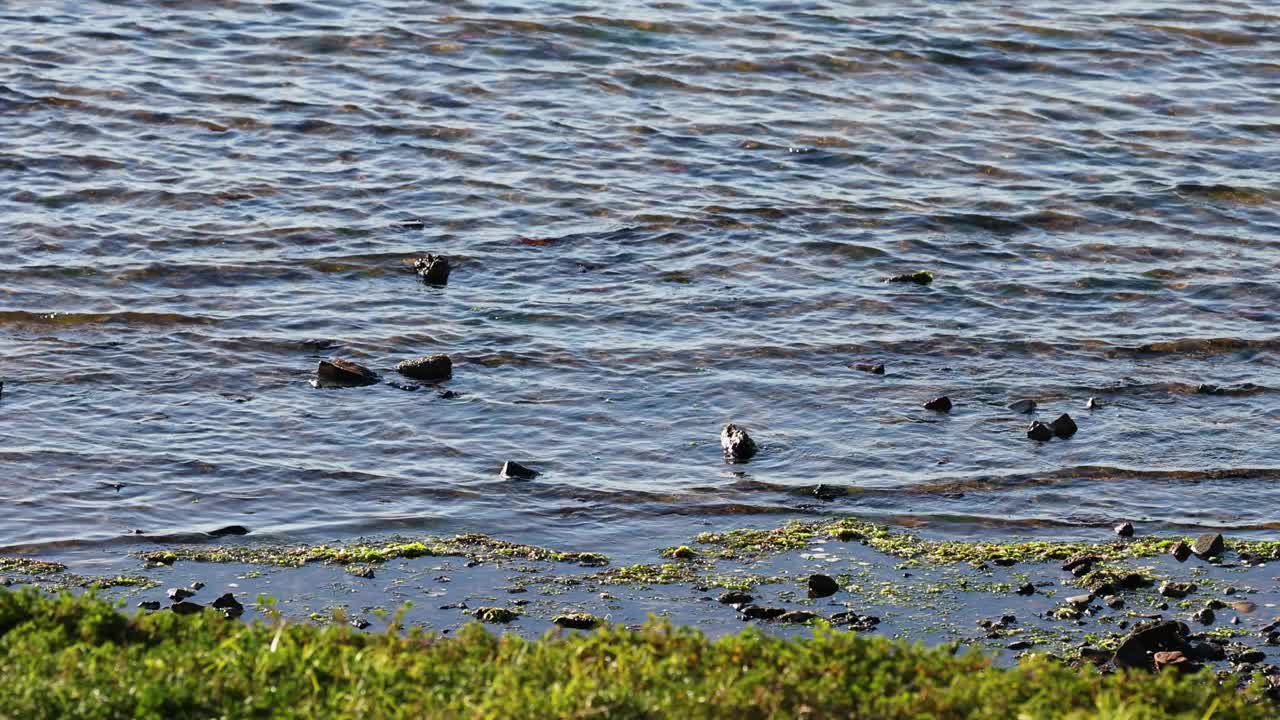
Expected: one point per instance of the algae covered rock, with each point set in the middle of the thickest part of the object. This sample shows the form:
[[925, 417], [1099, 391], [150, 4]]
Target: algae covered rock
[[577, 621], [430, 369], [494, 614]]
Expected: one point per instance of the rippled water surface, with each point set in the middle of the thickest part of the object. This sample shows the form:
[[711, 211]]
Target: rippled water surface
[[663, 216]]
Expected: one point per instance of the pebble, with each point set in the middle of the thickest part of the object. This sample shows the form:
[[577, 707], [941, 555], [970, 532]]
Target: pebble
[[736, 444], [515, 471], [939, 404], [430, 369]]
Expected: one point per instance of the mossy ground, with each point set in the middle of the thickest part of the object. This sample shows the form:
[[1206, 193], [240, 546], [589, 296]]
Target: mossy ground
[[78, 657]]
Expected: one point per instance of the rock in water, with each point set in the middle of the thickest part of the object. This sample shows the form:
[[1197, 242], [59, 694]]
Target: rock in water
[[435, 367], [186, 608], [335, 371], [1040, 432], [939, 404], [821, 586], [1137, 649], [1093, 403], [1125, 529], [179, 594], [736, 444], [874, 369], [735, 597], [229, 606], [920, 277], [1023, 406], [1208, 545], [1176, 590], [1181, 551], [433, 269], [516, 471], [1064, 426]]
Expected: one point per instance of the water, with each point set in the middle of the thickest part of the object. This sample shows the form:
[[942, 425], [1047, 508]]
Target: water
[[663, 216]]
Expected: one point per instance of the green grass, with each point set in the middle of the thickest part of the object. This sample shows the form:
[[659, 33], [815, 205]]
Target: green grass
[[78, 657]]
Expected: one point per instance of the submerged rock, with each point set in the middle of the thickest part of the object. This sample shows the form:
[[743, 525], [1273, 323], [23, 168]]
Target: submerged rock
[[336, 371], [1027, 589], [1064, 427], [757, 612], [939, 404], [1204, 617], [919, 277], [433, 269], [1022, 406], [359, 623], [430, 369], [1093, 403], [1040, 432], [821, 586], [1209, 545], [735, 597], [874, 369], [797, 616], [151, 605], [515, 471], [736, 444], [228, 531], [577, 621], [186, 608]]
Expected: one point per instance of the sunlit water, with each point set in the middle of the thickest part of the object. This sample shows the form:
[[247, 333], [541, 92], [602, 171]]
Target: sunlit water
[[663, 216]]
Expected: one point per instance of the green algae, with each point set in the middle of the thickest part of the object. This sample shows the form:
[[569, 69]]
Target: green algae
[[474, 546], [27, 566], [682, 552]]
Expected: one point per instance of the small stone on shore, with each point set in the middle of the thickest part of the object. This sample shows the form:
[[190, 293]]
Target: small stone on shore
[[515, 471], [429, 369], [736, 444]]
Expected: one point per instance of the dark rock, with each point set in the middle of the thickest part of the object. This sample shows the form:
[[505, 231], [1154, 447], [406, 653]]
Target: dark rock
[[1080, 560], [797, 616], [939, 404], [827, 493], [362, 571], [412, 224], [336, 371], [1204, 617], [1093, 403], [855, 621], [449, 394], [1022, 406], [359, 623], [433, 269], [1173, 659], [229, 606], [228, 531], [197, 585], [1027, 589], [1004, 561], [429, 369], [1113, 602], [186, 608], [455, 606], [1064, 427], [735, 597], [1181, 551], [1177, 589], [1040, 432], [515, 471], [1008, 619], [149, 605], [1215, 604], [1209, 545], [1249, 656], [877, 369], [576, 621], [1206, 652], [1136, 649], [1020, 645], [821, 586], [1097, 656], [736, 444], [758, 612], [179, 594], [1208, 389], [920, 277], [1125, 529]]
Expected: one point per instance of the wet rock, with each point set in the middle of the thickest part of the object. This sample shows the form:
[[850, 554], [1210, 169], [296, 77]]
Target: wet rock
[[448, 395], [855, 621], [1093, 403], [828, 493], [577, 621], [494, 615], [228, 531], [758, 612], [1249, 656], [797, 616], [1040, 432], [1137, 649], [1176, 590], [429, 369], [1080, 601], [1173, 659], [1080, 560], [151, 605], [1023, 406], [1181, 551], [735, 597], [736, 444], [1004, 561], [1125, 529], [433, 269], [1215, 604], [1206, 652], [186, 608], [362, 571], [1064, 427], [1209, 545], [1113, 602], [229, 606], [939, 404], [821, 586], [344, 373], [454, 606], [1204, 617], [179, 594], [515, 471], [920, 277], [359, 623], [197, 585], [1027, 589], [1097, 656], [874, 369], [1020, 645]]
